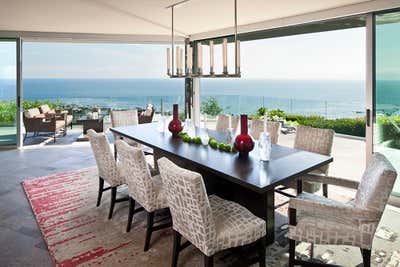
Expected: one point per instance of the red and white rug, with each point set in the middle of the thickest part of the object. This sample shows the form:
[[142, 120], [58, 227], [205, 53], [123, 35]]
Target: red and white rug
[[75, 230], [78, 233]]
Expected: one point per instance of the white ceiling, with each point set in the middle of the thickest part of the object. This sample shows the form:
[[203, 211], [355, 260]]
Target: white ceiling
[[149, 17]]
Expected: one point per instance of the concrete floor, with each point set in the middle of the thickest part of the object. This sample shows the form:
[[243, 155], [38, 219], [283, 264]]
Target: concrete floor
[[21, 240]]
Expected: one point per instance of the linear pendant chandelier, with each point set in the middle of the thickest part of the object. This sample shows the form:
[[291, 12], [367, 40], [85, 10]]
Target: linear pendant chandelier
[[197, 71]]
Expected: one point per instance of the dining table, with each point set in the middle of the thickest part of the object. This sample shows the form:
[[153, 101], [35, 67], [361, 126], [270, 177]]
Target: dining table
[[247, 181]]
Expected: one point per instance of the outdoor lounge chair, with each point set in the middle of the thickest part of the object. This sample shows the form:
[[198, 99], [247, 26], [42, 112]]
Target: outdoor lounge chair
[[36, 123], [146, 116], [59, 114]]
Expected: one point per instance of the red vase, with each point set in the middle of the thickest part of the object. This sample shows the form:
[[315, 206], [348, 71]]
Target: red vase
[[175, 126], [243, 142]]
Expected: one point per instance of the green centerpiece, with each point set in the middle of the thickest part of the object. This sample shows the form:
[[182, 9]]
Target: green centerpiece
[[212, 142]]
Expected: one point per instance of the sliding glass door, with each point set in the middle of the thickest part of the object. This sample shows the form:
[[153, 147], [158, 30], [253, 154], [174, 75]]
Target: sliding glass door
[[387, 89], [8, 111]]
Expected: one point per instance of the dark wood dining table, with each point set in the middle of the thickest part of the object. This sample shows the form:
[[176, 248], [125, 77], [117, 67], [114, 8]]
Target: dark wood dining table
[[249, 182]]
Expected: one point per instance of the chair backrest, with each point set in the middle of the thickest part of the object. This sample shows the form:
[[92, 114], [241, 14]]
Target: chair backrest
[[376, 184], [31, 113], [222, 123], [315, 140], [257, 127], [103, 155], [44, 108], [137, 175], [235, 124], [188, 203], [124, 117], [149, 110]]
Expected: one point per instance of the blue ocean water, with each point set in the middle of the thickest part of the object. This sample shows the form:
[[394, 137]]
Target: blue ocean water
[[328, 98]]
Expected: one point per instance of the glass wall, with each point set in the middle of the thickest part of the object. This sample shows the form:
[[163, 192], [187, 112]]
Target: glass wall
[[307, 74], [387, 89], [79, 76], [7, 92]]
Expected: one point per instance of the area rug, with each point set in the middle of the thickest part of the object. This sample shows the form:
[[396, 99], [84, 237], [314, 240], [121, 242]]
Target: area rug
[[78, 233]]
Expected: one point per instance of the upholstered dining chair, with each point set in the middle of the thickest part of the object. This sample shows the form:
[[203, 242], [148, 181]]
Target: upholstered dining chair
[[124, 118], [257, 127], [223, 123], [107, 168], [211, 224], [325, 221], [143, 188], [314, 140]]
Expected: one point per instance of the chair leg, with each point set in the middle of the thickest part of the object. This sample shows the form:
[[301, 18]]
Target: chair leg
[[325, 190], [366, 254], [100, 194], [292, 251], [113, 199], [208, 261], [176, 248], [299, 186], [115, 151], [149, 230], [54, 137], [131, 212], [261, 251]]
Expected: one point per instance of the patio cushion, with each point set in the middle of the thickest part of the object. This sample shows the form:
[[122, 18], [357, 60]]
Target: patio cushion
[[148, 110], [45, 109], [31, 113]]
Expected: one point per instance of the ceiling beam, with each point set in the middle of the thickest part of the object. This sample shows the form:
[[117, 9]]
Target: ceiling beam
[[334, 13], [90, 37]]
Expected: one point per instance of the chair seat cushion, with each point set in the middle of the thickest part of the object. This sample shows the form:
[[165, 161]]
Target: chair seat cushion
[[235, 225], [332, 230]]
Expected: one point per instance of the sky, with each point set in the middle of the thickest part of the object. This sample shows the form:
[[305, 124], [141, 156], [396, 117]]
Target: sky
[[334, 55]]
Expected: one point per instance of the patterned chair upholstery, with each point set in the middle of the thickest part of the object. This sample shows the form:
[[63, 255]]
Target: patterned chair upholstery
[[257, 127], [124, 118], [223, 123], [210, 223], [314, 140], [324, 221], [107, 167], [144, 188]]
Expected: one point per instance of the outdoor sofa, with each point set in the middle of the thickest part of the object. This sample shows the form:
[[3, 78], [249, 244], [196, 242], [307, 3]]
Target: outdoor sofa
[[45, 120]]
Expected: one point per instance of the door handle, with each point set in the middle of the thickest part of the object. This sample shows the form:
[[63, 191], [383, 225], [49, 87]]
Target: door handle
[[368, 117]]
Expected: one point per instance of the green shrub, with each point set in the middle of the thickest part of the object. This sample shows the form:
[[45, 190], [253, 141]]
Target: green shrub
[[350, 126], [387, 129], [8, 109], [211, 107], [7, 113]]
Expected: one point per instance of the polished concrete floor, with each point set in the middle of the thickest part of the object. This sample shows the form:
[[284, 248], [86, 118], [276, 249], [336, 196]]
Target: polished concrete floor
[[21, 241]]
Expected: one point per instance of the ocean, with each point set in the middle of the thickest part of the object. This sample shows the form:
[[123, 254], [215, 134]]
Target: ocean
[[333, 99]]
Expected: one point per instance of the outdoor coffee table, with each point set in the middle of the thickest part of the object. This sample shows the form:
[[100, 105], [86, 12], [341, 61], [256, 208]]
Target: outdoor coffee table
[[89, 123]]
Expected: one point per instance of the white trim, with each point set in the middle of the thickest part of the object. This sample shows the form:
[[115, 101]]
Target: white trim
[[19, 95], [339, 12], [369, 79], [90, 37], [196, 102]]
